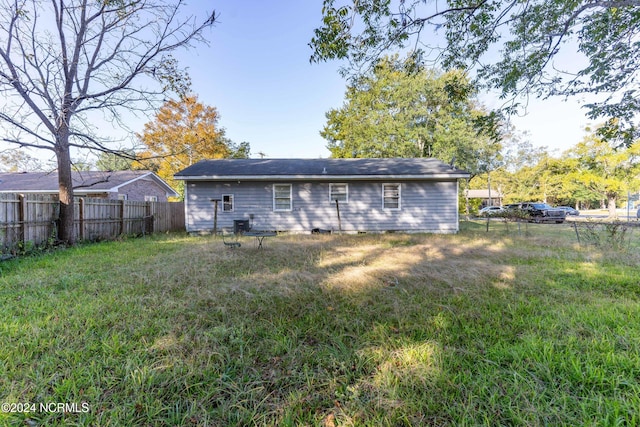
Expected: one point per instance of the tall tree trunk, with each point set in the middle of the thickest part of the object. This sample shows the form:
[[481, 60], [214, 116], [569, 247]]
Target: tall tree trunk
[[613, 213], [66, 231]]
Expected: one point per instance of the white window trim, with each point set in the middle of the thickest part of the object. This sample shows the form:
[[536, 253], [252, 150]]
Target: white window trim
[[150, 198], [290, 208], [233, 202], [399, 196], [346, 187]]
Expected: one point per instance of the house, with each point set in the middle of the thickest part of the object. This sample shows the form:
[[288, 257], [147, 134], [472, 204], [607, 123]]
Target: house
[[136, 185], [300, 195], [483, 195]]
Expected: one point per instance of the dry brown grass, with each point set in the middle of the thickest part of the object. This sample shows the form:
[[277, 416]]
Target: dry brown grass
[[336, 263], [390, 329]]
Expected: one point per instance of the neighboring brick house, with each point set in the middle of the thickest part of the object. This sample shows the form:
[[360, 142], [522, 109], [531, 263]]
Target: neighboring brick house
[[139, 185]]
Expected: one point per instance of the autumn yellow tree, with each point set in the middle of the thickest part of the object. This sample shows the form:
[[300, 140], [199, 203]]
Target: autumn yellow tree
[[184, 131]]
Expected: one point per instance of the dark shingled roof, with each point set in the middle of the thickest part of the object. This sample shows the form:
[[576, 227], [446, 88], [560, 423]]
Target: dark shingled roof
[[83, 182], [320, 168]]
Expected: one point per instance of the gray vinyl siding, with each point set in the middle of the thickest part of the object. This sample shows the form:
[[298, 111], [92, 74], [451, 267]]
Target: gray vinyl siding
[[430, 206]]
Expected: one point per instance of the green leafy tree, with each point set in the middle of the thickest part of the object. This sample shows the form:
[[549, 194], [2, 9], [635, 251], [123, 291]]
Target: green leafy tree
[[607, 170], [65, 62], [519, 152], [108, 161], [517, 175], [547, 179], [594, 171], [403, 110], [557, 181], [572, 188], [512, 46], [238, 151]]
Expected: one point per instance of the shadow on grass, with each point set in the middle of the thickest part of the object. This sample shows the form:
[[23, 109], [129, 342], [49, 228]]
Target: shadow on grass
[[324, 330]]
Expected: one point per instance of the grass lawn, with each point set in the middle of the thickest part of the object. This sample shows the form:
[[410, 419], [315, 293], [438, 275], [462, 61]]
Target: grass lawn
[[502, 328]]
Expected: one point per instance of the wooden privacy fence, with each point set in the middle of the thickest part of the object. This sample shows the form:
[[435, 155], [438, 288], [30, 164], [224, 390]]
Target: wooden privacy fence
[[31, 219], [28, 218]]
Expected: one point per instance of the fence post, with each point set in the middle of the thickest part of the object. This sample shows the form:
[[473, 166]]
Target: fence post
[[121, 213], [215, 215], [81, 218], [22, 208], [149, 218]]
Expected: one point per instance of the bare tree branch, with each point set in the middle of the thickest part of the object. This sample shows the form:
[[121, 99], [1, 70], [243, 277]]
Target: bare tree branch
[[63, 60]]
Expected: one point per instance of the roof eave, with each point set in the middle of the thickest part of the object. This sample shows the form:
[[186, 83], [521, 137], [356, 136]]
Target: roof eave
[[31, 191], [170, 192], [433, 176], [75, 192]]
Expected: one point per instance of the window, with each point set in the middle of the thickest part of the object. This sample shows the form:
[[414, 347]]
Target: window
[[150, 198], [227, 203], [122, 197], [391, 196], [282, 197], [339, 192]]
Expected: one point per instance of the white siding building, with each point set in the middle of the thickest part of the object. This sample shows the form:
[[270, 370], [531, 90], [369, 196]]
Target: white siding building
[[300, 195]]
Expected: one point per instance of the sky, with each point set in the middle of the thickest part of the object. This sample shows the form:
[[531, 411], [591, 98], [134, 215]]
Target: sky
[[256, 72]]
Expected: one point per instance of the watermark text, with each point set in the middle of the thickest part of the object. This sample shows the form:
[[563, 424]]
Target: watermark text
[[48, 407]]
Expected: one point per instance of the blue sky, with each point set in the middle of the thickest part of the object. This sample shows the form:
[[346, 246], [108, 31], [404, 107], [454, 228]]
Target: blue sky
[[256, 72]]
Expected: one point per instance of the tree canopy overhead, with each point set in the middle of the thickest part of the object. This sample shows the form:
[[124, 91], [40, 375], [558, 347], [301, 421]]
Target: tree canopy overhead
[[401, 109], [61, 61], [512, 45]]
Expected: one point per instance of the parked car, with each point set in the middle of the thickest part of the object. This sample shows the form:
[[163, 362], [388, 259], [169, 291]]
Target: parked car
[[569, 210], [490, 210], [538, 212]]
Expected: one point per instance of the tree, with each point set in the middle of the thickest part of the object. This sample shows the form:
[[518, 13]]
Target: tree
[[401, 109], [606, 170], [594, 170], [555, 180], [519, 171], [519, 152], [108, 161], [185, 131], [512, 45], [239, 151], [19, 161], [63, 63]]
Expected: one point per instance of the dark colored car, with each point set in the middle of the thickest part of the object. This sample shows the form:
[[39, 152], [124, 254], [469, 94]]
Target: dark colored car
[[569, 210], [538, 212]]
